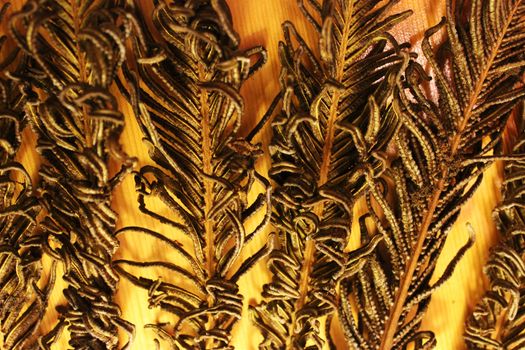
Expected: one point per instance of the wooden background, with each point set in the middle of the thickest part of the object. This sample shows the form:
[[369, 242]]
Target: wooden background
[[259, 23]]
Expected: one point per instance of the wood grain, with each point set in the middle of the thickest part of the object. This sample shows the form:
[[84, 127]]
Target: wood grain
[[259, 23]]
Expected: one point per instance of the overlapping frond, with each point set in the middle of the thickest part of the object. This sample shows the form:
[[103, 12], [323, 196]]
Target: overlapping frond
[[187, 103], [498, 322], [444, 146], [22, 302], [76, 47], [335, 120]]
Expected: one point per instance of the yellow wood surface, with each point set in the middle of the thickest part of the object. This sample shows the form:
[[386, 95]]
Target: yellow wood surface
[[259, 22]]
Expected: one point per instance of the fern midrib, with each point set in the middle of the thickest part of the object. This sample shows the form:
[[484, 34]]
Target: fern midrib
[[82, 68], [308, 258], [391, 324], [502, 326], [207, 169], [208, 185]]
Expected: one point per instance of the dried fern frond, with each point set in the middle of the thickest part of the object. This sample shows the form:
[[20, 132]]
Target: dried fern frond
[[335, 121], [444, 146], [189, 108], [498, 321], [76, 47], [22, 302]]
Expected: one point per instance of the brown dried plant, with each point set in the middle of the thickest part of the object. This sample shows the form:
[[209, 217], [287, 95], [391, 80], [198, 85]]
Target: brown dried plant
[[335, 122], [22, 301], [186, 100], [498, 320], [444, 144], [76, 48], [355, 117]]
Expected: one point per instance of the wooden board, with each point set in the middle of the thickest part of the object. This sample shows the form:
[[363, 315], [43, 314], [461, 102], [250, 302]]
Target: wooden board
[[259, 23]]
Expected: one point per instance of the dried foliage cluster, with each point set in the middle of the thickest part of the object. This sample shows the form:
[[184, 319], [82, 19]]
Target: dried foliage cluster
[[185, 97], [356, 117], [74, 53], [497, 322], [22, 301], [444, 146], [335, 121]]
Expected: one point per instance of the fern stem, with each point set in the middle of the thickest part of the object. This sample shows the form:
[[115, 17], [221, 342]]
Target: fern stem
[[208, 189], [207, 169]]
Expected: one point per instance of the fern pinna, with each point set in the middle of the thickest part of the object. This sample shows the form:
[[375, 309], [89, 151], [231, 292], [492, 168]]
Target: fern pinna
[[76, 48], [444, 144], [336, 119], [187, 103], [497, 321], [22, 301]]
